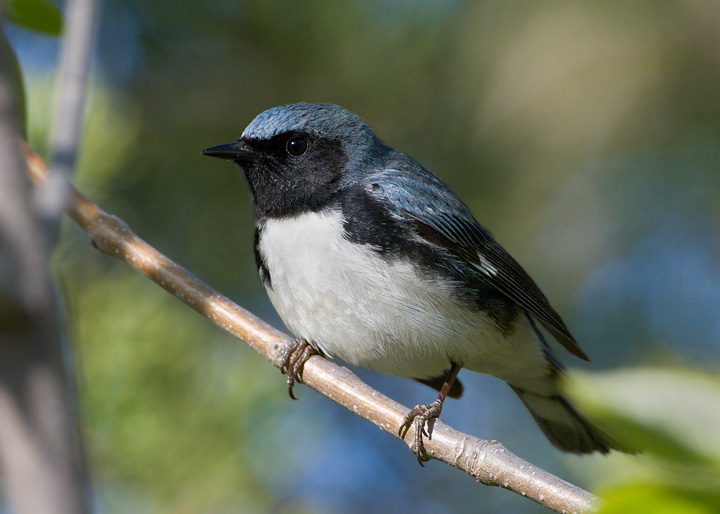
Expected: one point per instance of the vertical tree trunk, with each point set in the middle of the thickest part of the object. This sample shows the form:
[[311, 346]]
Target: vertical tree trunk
[[40, 458]]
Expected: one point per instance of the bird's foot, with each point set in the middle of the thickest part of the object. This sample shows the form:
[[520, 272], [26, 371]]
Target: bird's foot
[[294, 358], [420, 415]]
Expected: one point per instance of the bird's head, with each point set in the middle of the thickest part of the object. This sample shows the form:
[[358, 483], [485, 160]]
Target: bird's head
[[297, 157]]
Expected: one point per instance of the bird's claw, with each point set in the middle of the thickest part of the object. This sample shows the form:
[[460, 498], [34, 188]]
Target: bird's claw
[[293, 361], [420, 415]]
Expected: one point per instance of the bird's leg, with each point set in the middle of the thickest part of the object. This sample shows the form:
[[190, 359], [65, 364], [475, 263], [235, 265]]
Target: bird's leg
[[294, 358], [422, 414]]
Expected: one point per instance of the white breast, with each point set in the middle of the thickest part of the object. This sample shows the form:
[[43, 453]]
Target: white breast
[[355, 305]]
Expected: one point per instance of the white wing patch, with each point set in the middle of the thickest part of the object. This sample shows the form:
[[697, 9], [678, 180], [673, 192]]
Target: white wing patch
[[486, 267]]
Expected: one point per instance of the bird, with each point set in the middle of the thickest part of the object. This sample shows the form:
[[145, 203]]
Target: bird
[[370, 258]]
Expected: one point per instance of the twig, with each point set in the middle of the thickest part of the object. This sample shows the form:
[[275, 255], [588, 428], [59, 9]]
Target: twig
[[488, 461], [52, 199]]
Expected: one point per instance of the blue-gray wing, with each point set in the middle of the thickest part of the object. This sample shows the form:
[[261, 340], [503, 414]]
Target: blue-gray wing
[[439, 217]]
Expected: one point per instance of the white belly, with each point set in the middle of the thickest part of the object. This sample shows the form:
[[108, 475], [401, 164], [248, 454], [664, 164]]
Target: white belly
[[354, 305]]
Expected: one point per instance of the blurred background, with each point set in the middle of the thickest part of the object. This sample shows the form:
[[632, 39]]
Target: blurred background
[[585, 136]]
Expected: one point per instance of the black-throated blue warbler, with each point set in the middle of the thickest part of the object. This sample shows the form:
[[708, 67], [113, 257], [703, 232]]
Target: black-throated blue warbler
[[370, 258]]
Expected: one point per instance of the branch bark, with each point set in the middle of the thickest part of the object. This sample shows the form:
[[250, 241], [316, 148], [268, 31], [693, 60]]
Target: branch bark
[[488, 461]]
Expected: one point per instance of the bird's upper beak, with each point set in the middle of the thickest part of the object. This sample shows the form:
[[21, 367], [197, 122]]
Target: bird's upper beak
[[239, 152]]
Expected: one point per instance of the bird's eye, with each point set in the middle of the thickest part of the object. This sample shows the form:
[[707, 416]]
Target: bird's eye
[[297, 146]]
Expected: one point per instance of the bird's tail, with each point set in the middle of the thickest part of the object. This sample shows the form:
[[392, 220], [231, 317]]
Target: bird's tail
[[563, 425]]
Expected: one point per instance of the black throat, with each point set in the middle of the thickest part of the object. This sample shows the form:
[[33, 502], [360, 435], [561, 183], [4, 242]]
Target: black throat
[[282, 186]]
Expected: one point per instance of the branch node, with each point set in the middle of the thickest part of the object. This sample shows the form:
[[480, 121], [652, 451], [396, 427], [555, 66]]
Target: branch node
[[109, 234]]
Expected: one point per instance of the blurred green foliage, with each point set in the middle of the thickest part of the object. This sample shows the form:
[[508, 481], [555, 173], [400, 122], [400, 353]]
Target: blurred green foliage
[[672, 416], [155, 397], [584, 135]]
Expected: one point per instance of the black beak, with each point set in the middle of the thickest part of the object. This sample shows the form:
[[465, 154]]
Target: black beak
[[238, 152]]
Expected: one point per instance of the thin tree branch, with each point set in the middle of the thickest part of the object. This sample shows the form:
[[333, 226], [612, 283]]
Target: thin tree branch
[[488, 461], [53, 197]]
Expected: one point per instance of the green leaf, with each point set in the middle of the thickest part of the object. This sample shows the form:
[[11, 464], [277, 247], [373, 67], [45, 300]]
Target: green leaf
[[653, 499], [673, 414], [37, 15]]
